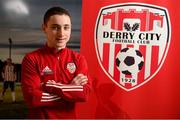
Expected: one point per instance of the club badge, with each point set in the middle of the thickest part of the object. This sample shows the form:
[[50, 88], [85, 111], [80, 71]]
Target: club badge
[[132, 41], [71, 67]]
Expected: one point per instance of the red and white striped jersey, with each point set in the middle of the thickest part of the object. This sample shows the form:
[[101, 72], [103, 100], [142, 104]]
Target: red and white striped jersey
[[9, 73], [57, 98]]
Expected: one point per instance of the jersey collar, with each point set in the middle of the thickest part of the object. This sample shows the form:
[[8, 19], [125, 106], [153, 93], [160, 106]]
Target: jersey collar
[[54, 50]]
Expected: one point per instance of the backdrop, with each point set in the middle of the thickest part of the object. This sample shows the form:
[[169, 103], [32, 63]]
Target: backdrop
[[132, 49]]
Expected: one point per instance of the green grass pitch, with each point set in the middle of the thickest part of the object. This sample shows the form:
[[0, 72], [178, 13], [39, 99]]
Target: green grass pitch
[[9, 110]]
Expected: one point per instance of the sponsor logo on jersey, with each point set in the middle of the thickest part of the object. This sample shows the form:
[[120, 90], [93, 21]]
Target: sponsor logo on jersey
[[46, 71], [132, 41]]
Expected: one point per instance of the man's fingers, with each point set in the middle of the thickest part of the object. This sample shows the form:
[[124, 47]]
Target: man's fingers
[[83, 82], [79, 76], [80, 79]]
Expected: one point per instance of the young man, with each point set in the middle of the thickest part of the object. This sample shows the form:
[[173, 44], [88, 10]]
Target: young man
[[54, 77], [9, 76]]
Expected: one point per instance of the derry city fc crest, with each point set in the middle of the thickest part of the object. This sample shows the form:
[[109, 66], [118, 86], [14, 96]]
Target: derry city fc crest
[[132, 41]]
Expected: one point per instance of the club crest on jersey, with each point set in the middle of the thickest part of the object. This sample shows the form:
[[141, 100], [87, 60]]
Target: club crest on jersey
[[71, 67], [132, 41], [46, 71]]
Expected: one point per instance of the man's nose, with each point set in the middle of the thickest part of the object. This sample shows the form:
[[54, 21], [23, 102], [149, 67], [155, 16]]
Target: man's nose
[[61, 31]]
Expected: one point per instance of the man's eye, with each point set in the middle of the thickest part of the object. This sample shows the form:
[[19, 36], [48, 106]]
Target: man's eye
[[54, 28], [66, 27]]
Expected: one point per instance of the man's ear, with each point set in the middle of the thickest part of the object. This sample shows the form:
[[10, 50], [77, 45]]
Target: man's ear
[[43, 28]]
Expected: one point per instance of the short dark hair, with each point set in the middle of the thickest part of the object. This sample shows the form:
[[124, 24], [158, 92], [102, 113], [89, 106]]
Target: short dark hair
[[9, 59], [54, 11]]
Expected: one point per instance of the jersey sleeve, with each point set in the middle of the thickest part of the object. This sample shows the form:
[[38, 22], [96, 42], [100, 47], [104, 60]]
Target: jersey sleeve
[[31, 86], [72, 92]]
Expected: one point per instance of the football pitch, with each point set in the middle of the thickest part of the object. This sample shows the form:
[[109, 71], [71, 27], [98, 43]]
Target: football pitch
[[9, 110]]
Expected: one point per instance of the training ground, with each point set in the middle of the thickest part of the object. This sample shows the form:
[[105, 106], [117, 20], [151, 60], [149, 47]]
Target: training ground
[[9, 110]]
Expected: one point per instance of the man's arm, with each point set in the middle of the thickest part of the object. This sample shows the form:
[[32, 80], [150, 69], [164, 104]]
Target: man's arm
[[78, 89], [31, 86], [3, 75]]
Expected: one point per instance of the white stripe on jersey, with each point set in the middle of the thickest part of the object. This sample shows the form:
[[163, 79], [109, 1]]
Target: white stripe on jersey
[[65, 87], [46, 97], [48, 100], [72, 89]]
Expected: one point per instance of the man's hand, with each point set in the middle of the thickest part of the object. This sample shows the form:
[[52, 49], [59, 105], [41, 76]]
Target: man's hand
[[80, 79]]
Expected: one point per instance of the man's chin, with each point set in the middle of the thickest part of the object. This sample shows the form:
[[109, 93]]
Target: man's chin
[[60, 47]]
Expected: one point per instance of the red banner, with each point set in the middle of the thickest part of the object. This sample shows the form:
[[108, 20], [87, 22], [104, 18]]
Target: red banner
[[132, 51]]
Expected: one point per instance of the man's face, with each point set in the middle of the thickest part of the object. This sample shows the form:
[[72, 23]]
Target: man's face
[[9, 61], [58, 31]]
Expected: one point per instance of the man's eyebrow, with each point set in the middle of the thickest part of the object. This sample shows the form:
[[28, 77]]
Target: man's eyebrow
[[55, 25], [60, 25]]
